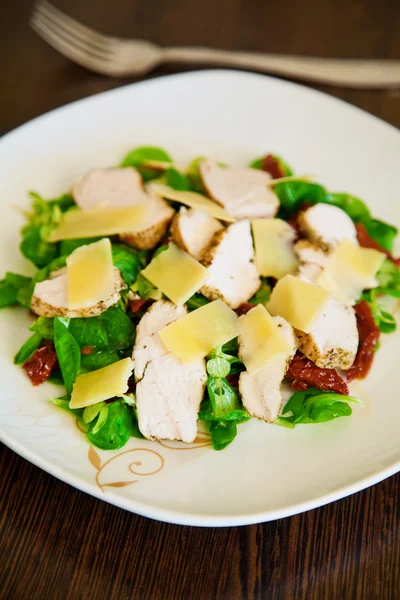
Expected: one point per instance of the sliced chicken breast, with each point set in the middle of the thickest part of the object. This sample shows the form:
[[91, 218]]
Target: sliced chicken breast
[[159, 220], [333, 340], [261, 391], [109, 188], [312, 260], [192, 230], [243, 192], [50, 298], [168, 393], [233, 276], [325, 226], [120, 187]]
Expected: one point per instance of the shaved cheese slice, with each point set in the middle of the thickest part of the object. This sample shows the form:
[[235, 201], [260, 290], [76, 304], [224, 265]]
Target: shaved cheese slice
[[192, 199], [349, 270], [196, 334], [274, 245], [93, 223], [177, 274], [102, 384], [261, 339], [298, 301], [90, 274]]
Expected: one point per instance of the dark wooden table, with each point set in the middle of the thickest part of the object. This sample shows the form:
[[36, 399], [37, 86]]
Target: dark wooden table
[[56, 542]]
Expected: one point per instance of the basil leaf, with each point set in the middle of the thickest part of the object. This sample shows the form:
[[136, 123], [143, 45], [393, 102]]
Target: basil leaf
[[222, 433], [116, 430], [68, 352], [177, 180], [28, 349]]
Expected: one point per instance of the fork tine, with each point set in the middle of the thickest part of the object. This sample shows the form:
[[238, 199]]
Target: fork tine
[[64, 47], [70, 35], [72, 25]]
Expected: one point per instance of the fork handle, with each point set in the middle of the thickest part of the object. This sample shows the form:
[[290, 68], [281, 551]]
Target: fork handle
[[356, 73]]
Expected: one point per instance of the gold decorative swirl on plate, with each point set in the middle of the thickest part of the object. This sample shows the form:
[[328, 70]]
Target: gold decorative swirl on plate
[[149, 462]]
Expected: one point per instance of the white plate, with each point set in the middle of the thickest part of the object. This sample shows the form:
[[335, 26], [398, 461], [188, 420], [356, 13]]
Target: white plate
[[268, 472]]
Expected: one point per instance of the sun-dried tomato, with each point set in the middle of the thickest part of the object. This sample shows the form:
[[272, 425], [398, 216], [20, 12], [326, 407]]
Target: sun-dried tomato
[[270, 164], [137, 305], [233, 380], [306, 374], [294, 219], [40, 366], [368, 333], [244, 308], [366, 241]]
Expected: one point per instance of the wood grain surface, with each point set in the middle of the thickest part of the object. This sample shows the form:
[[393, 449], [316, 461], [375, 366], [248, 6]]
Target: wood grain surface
[[58, 543]]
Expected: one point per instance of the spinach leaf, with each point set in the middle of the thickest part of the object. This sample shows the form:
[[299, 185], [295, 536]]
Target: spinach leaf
[[354, 207], [143, 287], [129, 261], [314, 406], [116, 430], [98, 360], [388, 278], [45, 327], [292, 194], [35, 248], [196, 301], [9, 288], [383, 233], [68, 246], [68, 352], [136, 157], [223, 397], [112, 330], [207, 414], [193, 173], [385, 321], [222, 433], [27, 349], [177, 180], [262, 295]]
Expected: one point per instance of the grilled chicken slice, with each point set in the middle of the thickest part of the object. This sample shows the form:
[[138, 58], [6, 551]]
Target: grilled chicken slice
[[168, 393], [312, 260], [50, 298], [243, 192], [192, 230], [261, 391], [120, 187], [233, 276], [325, 226], [333, 340]]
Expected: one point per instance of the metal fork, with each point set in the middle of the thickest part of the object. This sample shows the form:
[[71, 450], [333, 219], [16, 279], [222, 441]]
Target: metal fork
[[120, 57]]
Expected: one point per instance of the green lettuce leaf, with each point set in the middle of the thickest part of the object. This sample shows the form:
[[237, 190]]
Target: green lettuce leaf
[[68, 352], [314, 406], [28, 349], [112, 330], [136, 157], [116, 430]]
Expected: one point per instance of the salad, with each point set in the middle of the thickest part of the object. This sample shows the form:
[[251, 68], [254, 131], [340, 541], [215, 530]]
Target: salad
[[168, 294]]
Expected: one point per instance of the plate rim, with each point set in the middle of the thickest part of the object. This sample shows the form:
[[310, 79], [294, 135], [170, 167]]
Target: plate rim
[[131, 504]]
